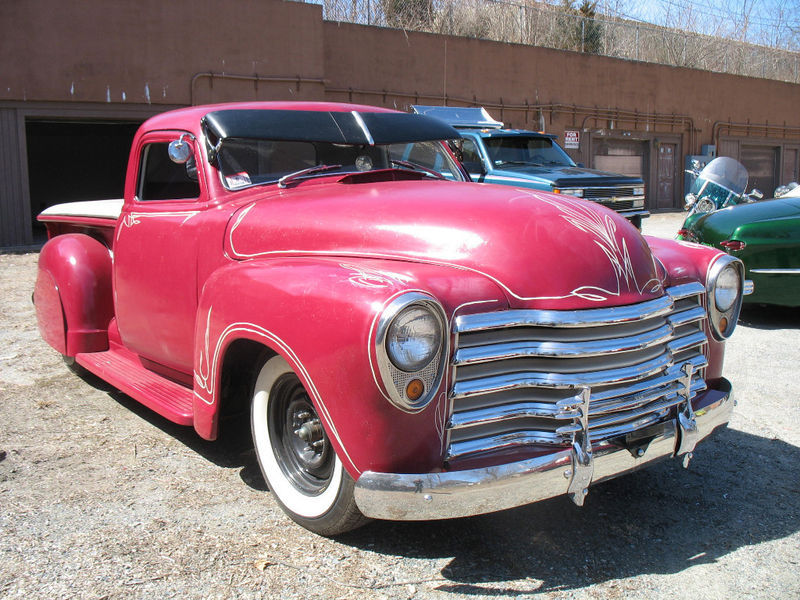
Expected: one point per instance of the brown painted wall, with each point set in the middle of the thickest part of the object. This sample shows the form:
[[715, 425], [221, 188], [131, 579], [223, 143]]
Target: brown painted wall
[[148, 51], [117, 59], [490, 72]]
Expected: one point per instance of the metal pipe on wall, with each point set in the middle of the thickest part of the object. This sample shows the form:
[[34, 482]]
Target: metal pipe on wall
[[256, 79]]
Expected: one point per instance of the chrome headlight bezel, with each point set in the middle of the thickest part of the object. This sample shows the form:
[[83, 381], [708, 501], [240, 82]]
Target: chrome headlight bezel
[[723, 322], [395, 378]]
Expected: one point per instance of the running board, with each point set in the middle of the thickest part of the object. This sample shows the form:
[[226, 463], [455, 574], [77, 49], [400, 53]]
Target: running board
[[123, 369]]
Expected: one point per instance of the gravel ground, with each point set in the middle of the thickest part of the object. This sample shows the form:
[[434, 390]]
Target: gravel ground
[[100, 498]]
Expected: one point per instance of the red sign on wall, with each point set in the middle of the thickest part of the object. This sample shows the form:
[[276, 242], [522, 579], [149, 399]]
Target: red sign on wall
[[572, 139]]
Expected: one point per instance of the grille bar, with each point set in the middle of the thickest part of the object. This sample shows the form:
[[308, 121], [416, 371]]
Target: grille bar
[[594, 317], [560, 380], [623, 399], [563, 349]]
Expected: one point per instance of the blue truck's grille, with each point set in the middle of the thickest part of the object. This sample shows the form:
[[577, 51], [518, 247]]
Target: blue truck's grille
[[607, 193]]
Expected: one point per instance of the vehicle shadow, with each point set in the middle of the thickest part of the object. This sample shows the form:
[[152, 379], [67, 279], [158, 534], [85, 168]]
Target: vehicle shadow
[[770, 317], [740, 490], [232, 450]]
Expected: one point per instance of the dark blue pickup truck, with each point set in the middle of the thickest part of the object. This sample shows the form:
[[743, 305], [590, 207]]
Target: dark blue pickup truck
[[492, 154]]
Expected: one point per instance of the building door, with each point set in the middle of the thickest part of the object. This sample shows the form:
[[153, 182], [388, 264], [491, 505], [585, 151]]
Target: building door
[[665, 179]]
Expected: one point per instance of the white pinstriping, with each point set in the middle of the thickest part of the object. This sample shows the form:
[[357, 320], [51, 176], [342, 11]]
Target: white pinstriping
[[573, 211], [206, 381]]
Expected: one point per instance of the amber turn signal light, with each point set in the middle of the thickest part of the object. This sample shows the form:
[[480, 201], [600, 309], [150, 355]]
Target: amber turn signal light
[[415, 389]]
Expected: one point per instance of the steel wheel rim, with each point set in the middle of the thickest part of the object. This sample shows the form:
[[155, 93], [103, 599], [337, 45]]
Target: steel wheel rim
[[298, 440]]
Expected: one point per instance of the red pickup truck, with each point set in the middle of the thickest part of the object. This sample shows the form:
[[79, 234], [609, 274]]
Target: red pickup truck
[[408, 345]]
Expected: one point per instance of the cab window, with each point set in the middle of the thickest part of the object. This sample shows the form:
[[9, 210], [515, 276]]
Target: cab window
[[471, 159], [162, 179]]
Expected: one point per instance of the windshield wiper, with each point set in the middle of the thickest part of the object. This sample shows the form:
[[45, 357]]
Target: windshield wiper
[[417, 167], [287, 179]]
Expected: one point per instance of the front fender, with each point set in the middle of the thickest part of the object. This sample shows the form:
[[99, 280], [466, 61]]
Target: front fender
[[320, 315], [685, 262]]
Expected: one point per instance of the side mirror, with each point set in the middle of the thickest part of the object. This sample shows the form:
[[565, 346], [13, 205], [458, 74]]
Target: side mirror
[[581, 165], [179, 151]]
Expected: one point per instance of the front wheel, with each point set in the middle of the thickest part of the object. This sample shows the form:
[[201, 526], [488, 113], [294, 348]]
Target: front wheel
[[296, 456]]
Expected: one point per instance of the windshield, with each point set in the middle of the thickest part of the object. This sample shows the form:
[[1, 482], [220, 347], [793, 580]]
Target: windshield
[[725, 172], [246, 162], [526, 150], [723, 181]]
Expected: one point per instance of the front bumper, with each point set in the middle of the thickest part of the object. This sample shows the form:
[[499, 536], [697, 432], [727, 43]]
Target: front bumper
[[429, 496], [629, 214]]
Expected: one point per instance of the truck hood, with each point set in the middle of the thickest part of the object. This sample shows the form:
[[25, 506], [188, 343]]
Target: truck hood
[[567, 176], [543, 250]]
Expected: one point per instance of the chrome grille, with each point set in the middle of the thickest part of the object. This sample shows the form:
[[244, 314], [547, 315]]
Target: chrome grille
[[601, 193], [518, 374], [617, 204]]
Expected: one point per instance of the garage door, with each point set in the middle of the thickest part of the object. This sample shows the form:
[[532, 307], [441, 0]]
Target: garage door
[[621, 156], [761, 163], [75, 160], [626, 157]]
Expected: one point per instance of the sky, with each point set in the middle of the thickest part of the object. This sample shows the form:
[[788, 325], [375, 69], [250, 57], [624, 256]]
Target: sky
[[768, 22]]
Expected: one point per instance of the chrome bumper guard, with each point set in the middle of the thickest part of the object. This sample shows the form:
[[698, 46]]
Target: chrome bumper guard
[[429, 496]]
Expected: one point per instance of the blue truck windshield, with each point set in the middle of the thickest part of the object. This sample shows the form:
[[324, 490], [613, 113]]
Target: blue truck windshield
[[521, 150]]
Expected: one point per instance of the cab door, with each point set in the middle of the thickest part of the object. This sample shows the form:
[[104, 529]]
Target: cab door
[[155, 254]]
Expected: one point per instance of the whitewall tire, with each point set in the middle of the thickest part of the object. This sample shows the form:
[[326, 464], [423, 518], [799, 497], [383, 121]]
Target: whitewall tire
[[296, 457]]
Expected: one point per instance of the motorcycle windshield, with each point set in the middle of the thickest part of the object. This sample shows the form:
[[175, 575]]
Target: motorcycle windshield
[[725, 172]]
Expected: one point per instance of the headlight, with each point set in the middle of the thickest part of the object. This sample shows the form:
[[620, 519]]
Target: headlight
[[570, 191], [414, 338], [705, 205], [638, 191], [725, 289], [411, 349]]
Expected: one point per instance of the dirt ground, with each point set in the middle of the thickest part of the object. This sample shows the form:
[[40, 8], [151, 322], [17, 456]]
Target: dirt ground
[[101, 498]]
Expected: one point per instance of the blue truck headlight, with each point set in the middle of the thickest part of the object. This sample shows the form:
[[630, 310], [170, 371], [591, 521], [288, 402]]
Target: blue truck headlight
[[570, 191]]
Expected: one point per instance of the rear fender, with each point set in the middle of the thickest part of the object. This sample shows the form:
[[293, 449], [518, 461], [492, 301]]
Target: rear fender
[[320, 315], [73, 297]]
